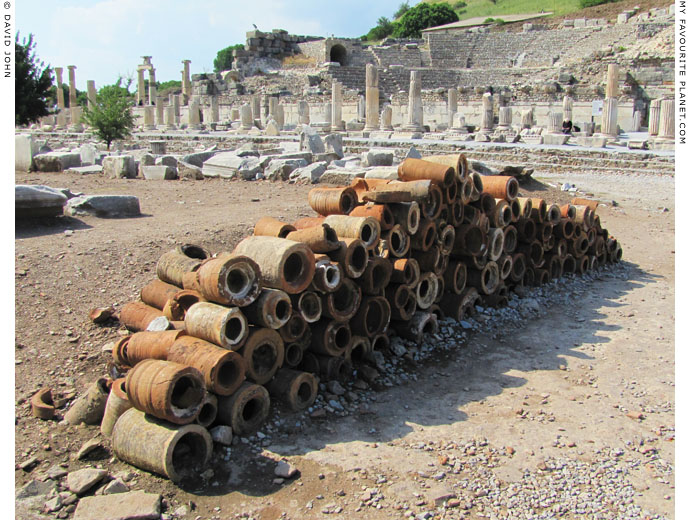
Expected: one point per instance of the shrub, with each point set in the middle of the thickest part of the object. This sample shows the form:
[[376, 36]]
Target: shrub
[[422, 16], [384, 27], [592, 3], [111, 115], [224, 58]]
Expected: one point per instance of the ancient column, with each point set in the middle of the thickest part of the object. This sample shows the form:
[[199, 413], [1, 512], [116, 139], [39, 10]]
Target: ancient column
[[160, 111], [186, 81], [567, 108], [505, 118], [272, 106], [637, 121], [215, 110], [141, 86], [75, 112], [452, 105], [72, 86], [302, 112], [280, 115], [372, 98], [654, 112], [234, 114], [487, 112], [193, 117], [256, 107], [361, 108], [337, 122], [328, 114], [415, 110], [246, 116], [60, 92], [526, 120], [667, 123], [152, 85], [148, 118], [555, 123], [609, 118], [61, 120], [177, 101], [170, 118], [387, 118], [91, 93]]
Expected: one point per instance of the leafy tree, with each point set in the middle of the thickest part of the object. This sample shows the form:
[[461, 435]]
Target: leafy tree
[[32, 83], [421, 16], [384, 27], [402, 9], [111, 115], [224, 58]]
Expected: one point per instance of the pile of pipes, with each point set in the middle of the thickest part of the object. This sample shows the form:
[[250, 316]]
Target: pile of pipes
[[295, 304]]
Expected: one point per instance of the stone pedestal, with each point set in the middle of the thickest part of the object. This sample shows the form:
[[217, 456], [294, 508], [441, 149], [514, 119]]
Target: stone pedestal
[[328, 113], [177, 101], [337, 122], [487, 113], [609, 118], [91, 93], [246, 117], [567, 108], [303, 112], [170, 118], [637, 121], [72, 86], [149, 123], [160, 111], [280, 116], [58, 84], [141, 87], [215, 110], [387, 118], [526, 118], [505, 118], [555, 123], [654, 113], [372, 98], [75, 113], [194, 117], [361, 108], [61, 119], [452, 106], [158, 147], [415, 114]]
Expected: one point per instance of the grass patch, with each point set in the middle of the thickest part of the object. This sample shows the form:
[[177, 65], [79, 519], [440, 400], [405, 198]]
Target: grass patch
[[298, 61], [488, 9]]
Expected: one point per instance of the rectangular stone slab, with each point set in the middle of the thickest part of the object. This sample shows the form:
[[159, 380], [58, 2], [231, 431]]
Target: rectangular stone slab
[[135, 505]]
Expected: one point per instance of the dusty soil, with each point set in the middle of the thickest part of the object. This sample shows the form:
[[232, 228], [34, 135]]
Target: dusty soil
[[512, 423]]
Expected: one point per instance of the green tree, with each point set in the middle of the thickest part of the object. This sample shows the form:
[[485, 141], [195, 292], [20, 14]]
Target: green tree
[[402, 9], [32, 82], [111, 115], [421, 16], [384, 27], [224, 58]]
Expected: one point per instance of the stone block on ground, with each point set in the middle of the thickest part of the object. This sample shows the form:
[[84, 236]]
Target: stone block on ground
[[159, 173], [382, 172], [198, 158], [228, 165], [38, 201], [135, 505], [88, 154], [81, 480], [312, 172], [280, 169], [86, 170], [334, 144], [119, 167], [56, 161], [310, 141], [341, 176], [556, 139], [167, 160], [187, 170], [376, 157], [104, 206], [25, 148]]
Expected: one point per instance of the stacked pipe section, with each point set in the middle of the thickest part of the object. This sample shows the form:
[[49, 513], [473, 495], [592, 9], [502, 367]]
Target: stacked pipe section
[[308, 301]]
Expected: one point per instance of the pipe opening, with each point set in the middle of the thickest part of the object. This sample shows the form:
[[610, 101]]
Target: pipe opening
[[188, 454], [507, 214], [186, 393], [332, 275], [251, 410], [410, 306], [342, 337], [401, 298], [424, 287], [380, 342], [293, 354], [228, 374], [358, 353], [396, 241], [310, 306], [264, 358], [187, 300], [429, 237], [237, 281], [304, 392], [293, 268], [367, 234], [519, 267], [506, 268], [348, 202], [343, 299], [234, 328], [428, 327], [509, 239], [569, 264], [193, 251], [207, 414], [282, 310], [512, 188], [448, 240], [413, 220], [359, 259], [329, 234], [374, 316], [296, 326]]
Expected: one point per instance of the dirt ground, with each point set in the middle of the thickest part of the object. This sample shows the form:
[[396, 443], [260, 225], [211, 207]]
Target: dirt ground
[[509, 426]]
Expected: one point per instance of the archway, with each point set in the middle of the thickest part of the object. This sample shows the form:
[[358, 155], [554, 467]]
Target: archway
[[339, 54]]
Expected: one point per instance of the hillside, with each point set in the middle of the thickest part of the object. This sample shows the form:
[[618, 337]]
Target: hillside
[[560, 8]]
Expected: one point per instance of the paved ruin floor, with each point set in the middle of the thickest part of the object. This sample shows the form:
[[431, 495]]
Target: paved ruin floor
[[529, 423]]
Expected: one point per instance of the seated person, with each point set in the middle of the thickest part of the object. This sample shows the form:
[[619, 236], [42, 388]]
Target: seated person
[[567, 127]]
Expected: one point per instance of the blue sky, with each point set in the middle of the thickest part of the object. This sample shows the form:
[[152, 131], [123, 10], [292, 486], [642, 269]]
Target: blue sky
[[106, 38]]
